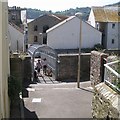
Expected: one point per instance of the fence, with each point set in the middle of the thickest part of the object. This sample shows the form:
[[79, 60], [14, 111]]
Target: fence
[[112, 75]]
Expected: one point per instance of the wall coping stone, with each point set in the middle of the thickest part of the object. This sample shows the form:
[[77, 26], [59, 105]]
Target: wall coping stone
[[109, 94]]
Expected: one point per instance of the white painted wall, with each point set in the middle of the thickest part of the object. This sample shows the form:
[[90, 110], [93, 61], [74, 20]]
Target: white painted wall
[[91, 19], [66, 35], [112, 33], [4, 61], [14, 36]]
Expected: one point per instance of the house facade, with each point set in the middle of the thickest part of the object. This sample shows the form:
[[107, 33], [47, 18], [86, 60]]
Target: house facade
[[15, 15], [16, 37], [66, 35], [107, 21], [4, 61], [37, 28]]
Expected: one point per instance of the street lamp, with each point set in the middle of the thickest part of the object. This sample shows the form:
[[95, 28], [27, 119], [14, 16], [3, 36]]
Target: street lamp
[[79, 15]]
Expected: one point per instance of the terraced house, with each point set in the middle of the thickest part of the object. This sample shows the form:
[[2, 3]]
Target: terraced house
[[106, 20], [38, 27], [4, 60]]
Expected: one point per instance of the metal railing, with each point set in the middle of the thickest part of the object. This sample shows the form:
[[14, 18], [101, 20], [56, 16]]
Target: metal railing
[[112, 75]]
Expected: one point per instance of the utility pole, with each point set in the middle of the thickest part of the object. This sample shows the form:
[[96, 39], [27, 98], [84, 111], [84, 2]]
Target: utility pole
[[79, 15]]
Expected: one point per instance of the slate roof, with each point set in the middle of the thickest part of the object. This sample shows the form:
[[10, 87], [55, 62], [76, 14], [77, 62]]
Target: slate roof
[[16, 27], [59, 17], [103, 14]]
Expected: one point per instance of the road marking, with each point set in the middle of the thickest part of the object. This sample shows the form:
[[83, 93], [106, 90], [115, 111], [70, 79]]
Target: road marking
[[63, 88], [30, 89], [36, 100]]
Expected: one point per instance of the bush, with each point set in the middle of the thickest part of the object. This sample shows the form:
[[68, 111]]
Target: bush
[[98, 47]]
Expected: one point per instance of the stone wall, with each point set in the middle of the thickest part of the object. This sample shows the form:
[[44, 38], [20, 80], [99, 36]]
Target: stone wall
[[97, 67], [105, 103], [68, 67], [21, 68], [16, 68]]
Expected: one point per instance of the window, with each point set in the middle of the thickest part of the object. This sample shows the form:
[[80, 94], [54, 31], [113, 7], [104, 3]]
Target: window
[[13, 17], [113, 25], [35, 28], [45, 28], [45, 40], [97, 25], [35, 39], [113, 41]]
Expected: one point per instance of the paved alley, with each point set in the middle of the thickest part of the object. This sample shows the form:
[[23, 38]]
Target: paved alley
[[58, 100]]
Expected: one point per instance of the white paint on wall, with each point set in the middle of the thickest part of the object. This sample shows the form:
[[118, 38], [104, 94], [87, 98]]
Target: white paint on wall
[[91, 19], [16, 39], [66, 35], [4, 61], [110, 32], [112, 35]]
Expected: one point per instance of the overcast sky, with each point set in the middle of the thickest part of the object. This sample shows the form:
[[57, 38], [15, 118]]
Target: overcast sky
[[58, 5]]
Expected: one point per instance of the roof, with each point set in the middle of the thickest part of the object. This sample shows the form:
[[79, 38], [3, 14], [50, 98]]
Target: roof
[[41, 48], [62, 17], [106, 14], [61, 23], [16, 27], [59, 17], [14, 8], [67, 20]]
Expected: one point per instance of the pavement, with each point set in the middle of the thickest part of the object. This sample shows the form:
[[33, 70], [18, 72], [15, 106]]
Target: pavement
[[48, 98]]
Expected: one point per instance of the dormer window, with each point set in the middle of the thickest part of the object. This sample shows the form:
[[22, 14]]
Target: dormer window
[[35, 28], [113, 25]]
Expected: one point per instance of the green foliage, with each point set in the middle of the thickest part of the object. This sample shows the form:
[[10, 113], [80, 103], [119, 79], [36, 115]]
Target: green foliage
[[98, 47], [14, 88]]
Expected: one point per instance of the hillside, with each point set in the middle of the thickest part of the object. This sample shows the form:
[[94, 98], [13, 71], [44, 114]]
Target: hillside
[[34, 13], [114, 5]]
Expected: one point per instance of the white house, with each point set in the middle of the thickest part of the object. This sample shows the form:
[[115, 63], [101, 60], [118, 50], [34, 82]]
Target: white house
[[16, 36], [106, 20], [66, 35]]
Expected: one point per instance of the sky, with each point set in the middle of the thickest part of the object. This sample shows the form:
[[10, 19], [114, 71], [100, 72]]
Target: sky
[[58, 5]]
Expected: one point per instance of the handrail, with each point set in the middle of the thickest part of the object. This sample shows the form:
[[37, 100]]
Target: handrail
[[113, 71], [108, 79]]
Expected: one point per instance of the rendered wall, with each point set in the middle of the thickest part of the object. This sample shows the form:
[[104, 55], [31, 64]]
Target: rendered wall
[[16, 39], [67, 35], [112, 33], [4, 60]]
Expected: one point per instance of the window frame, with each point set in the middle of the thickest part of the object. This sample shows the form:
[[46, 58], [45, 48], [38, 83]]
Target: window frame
[[35, 28], [113, 25], [113, 41], [35, 38]]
